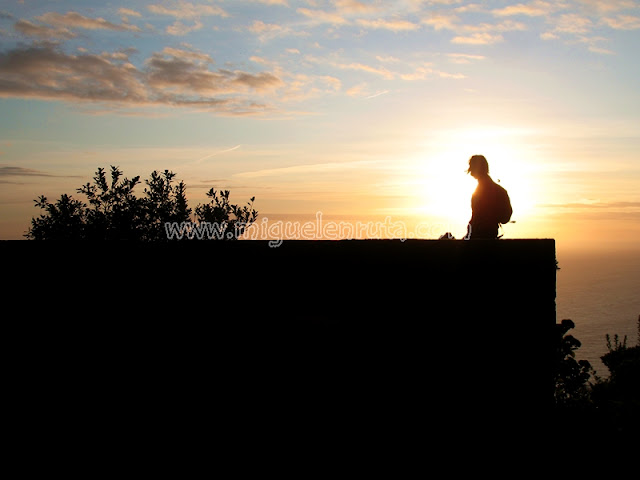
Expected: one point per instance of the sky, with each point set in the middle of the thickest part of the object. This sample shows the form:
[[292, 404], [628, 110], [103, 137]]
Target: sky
[[346, 107]]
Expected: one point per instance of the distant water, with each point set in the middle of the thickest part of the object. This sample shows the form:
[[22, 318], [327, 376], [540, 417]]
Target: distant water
[[600, 292]]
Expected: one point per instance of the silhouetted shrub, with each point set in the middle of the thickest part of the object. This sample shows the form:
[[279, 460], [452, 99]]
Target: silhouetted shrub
[[113, 211], [605, 407], [233, 219], [618, 397], [571, 376]]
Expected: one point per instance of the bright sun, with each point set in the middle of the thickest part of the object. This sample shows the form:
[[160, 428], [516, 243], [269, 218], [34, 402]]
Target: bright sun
[[442, 189]]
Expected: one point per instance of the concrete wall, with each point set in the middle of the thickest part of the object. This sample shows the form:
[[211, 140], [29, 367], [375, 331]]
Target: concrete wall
[[327, 282], [447, 337]]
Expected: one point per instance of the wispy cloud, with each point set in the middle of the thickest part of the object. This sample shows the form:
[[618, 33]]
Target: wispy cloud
[[622, 22], [182, 10], [480, 38], [31, 29], [179, 29], [76, 20], [283, 3], [8, 171], [345, 12], [536, 8], [56, 26], [269, 31], [472, 33], [321, 16], [573, 23], [127, 12], [304, 169], [12, 174], [464, 58], [357, 7], [395, 25], [600, 6], [187, 10], [381, 71], [594, 204]]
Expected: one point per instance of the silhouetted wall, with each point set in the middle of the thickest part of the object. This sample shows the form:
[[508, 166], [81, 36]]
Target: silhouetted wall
[[461, 326], [321, 282]]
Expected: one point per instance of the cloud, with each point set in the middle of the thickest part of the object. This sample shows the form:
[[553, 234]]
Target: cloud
[[420, 73], [463, 58], [355, 7], [129, 13], [173, 77], [622, 22], [259, 27], [482, 38], [268, 31], [381, 71], [533, 9], [22, 172], [594, 44], [417, 70], [284, 3], [425, 71], [601, 6], [572, 23], [320, 16], [46, 72], [179, 29], [393, 25], [75, 20], [594, 204], [316, 168], [30, 29], [187, 10], [9, 173], [549, 36], [185, 75], [472, 34], [360, 90], [182, 10], [442, 22], [581, 18]]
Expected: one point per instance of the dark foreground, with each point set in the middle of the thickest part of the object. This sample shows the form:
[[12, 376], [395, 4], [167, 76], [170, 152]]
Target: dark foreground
[[358, 329]]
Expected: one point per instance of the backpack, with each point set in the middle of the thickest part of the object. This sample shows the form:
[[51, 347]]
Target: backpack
[[502, 205]]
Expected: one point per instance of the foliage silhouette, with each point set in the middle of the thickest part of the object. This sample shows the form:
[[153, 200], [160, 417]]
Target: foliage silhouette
[[571, 376], [618, 397], [608, 406], [114, 212], [233, 219]]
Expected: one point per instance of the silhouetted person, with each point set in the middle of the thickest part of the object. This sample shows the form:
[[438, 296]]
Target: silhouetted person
[[490, 204]]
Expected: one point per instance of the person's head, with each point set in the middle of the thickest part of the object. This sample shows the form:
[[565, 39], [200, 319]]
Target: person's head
[[478, 166]]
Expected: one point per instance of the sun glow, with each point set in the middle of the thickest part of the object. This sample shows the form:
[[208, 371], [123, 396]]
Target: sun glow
[[440, 187]]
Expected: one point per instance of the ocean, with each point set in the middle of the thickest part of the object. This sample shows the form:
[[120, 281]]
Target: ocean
[[600, 292]]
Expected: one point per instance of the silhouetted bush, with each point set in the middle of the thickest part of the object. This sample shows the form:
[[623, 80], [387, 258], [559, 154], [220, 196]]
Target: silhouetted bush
[[618, 397], [233, 219], [571, 376], [588, 405], [113, 211]]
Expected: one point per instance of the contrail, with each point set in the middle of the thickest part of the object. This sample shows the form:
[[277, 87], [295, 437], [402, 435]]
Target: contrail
[[377, 94], [219, 153]]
